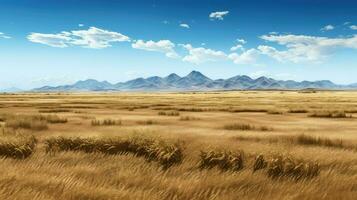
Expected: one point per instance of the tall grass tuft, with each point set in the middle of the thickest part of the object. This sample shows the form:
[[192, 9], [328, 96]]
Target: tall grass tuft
[[330, 114], [224, 160], [287, 167], [188, 118], [163, 152], [245, 127], [106, 122], [298, 110], [260, 163], [317, 141], [18, 148], [33, 122], [169, 113], [25, 122]]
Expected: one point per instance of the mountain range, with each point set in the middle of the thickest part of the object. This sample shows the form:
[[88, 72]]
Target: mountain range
[[194, 81]]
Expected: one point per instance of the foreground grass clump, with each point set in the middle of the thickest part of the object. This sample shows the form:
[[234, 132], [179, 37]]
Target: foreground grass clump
[[224, 160], [330, 114], [287, 167], [259, 163], [106, 122], [245, 127], [169, 113], [163, 152], [17, 147]]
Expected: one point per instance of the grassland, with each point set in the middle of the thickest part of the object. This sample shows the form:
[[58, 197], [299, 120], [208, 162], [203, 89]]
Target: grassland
[[194, 145]]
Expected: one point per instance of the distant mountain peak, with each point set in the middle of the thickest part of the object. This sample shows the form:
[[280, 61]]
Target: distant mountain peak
[[172, 78], [195, 80], [195, 73]]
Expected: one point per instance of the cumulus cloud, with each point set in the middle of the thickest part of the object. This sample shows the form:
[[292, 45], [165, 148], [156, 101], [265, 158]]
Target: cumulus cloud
[[184, 25], [94, 38], [4, 36], [246, 57], [242, 41], [327, 28], [163, 46], [80, 25], [200, 55], [300, 48], [218, 15], [236, 47], [353, 27]]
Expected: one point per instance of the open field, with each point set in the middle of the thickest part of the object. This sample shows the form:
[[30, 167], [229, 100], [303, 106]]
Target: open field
[[214, 145]]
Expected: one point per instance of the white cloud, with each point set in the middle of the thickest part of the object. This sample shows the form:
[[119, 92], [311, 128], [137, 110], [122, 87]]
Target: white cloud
[[184, 25], [242, 41], [300, 48], [4, 36], [94, 38], [273, 33], [236, 47], [327, 28], [163, 46], [218, 15], [247, 57], [60, 40], [346, 23], [200, 55], [80, 25], [353, 27]]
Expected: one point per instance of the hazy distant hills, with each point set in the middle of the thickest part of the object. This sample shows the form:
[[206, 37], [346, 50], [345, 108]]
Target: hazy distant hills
[[194, 81], [12, 89]]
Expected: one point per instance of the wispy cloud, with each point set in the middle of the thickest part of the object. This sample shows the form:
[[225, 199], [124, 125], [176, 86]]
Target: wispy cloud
[[94, 38], [218, 15], [4, 36], [163, 46], [353, 27], [242, 41], [185, 25], [302, 48], [327, 28]]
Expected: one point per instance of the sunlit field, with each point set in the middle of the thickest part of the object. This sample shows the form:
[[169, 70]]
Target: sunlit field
[[193, 145]]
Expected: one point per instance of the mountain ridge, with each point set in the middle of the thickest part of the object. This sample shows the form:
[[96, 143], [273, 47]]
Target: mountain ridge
[[195, 80]]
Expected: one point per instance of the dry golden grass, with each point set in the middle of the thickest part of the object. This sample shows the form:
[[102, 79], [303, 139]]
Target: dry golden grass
[[246, 127], [172, 113], [330, 114], [300, 157], [106, 122]]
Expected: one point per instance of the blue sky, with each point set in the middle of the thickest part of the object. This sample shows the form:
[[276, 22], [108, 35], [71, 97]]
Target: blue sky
[[49, 42]]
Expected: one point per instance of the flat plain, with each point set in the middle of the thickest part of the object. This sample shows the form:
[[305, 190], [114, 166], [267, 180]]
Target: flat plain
[[199, 145]]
